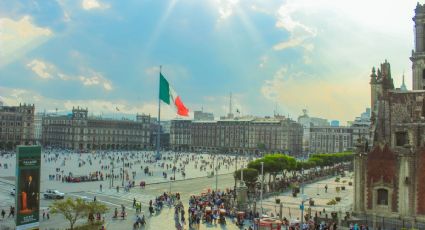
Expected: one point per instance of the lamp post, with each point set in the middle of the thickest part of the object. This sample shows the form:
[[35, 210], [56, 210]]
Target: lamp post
[[122, 158], [111, 181], [236, 169], [302, 197], [261, 191], [216, 174]]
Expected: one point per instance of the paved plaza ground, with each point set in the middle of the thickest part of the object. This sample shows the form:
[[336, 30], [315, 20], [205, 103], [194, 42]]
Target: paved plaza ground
[[196, 182]]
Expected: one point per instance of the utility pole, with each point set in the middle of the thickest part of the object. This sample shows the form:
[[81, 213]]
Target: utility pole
[[261, 192], [236, 169], [123, 171], [216, 175], [302, 198]]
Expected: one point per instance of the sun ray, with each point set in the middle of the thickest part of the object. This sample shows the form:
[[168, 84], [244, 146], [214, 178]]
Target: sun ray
[[159, 27]]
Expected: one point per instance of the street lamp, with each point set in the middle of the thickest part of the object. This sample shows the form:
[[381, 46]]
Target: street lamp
[[122, 158], [236, 169], [216, 175], [261, 191], [303, 197]]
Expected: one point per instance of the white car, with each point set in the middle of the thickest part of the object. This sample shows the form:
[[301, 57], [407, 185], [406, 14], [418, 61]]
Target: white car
[[53, 194], [13, 191]]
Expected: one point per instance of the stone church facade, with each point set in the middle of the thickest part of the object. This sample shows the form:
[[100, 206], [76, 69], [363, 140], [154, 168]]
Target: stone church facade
[[390, 171]]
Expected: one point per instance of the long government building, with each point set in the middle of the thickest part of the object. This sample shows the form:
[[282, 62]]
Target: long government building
[[78, 131], [244, 135]]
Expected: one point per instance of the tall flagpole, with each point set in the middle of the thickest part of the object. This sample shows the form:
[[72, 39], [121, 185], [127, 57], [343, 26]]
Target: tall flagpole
[[158, 156]]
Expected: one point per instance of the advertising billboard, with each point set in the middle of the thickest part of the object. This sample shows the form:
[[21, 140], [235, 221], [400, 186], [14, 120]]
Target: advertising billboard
[[28, 161]]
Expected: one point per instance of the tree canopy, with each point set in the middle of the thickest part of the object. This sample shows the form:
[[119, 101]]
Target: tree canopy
[[72, 210]]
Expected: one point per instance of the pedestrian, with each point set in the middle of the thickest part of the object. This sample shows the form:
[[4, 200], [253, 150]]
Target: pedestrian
[[326, 188], [182, 217], [11, 212], [134, 202], [3, 213], [48, 214], [100, 186], [44, 214], [94, 198], [118, 188]]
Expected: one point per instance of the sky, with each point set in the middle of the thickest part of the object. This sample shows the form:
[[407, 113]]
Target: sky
[[273, 56]]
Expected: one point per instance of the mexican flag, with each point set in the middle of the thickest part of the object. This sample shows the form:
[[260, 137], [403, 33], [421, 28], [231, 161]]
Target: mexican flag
[[168, 95]]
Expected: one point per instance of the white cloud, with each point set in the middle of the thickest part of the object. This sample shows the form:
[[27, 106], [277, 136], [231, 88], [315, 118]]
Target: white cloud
[[226, 8], [93, 78], [93, 4], [89, 77], [299, 33], [17, 37], [41, 69]]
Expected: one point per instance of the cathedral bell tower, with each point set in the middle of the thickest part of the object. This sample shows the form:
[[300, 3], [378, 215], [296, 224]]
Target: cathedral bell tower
[[418, 55]]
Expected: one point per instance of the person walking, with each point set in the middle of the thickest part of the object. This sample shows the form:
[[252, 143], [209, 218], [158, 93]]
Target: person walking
[[100, 186], [11, 212], [134, 202], [326, 188], [3, 213]]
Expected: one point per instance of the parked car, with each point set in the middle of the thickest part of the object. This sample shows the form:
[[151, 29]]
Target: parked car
[[13, 191], [53, 194]]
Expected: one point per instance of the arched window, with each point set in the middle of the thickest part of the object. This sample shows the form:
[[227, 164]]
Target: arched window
[[382, 197]]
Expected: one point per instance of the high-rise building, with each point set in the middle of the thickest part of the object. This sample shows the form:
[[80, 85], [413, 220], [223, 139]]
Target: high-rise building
[[307, 122], [202, 116], [16, 126], [361, 127], [78, 131]]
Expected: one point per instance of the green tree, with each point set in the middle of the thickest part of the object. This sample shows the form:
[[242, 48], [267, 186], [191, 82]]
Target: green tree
[[71, 209], [74, 210], [95, 207], [250, 176]]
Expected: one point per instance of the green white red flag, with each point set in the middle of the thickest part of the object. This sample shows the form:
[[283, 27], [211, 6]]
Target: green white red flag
[[168, 96]]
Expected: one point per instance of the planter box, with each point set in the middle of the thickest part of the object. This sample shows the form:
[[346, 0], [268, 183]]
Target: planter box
[[277, 201], [350, 183], [343, 188], [337, 199]]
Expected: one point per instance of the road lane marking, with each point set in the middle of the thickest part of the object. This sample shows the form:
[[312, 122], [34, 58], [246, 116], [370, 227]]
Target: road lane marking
[[106, 202]]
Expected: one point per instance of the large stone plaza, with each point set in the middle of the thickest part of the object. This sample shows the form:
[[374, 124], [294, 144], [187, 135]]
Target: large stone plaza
[[196, 182]]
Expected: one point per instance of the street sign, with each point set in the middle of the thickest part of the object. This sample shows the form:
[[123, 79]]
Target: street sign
[[302, 207]]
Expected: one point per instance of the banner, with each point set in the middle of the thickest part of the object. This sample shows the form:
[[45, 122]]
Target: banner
[[28, 161]]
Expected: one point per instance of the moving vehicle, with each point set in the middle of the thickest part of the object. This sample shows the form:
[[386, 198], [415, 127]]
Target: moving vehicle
[[53, 194]]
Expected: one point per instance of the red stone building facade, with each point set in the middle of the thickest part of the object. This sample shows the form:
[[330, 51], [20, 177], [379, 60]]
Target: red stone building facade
[[390, 171]]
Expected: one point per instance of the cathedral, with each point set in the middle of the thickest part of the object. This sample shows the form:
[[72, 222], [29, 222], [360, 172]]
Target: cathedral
[[390, 171]]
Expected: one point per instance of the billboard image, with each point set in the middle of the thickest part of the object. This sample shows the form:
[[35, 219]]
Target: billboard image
[[28, 161]]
